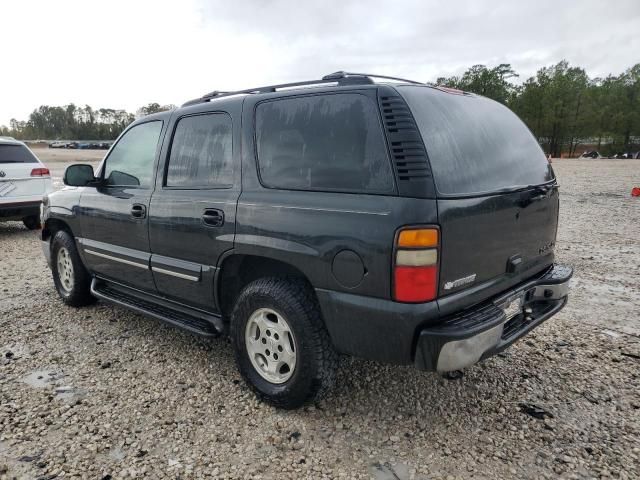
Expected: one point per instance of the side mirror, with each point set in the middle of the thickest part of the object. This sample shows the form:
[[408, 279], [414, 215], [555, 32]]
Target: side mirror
[[79, 175]]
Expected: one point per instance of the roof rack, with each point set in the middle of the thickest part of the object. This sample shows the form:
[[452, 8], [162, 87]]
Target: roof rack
[[340, 78], [341, 74]]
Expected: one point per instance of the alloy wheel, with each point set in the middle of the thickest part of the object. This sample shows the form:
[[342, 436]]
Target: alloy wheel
[[271, 345]]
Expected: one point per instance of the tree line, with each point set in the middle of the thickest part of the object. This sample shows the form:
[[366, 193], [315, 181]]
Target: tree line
[[564, 108], [71, 122]]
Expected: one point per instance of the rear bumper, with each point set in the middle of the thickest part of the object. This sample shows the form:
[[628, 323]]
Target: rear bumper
[[417, 334], [19, 209], [482, 331]]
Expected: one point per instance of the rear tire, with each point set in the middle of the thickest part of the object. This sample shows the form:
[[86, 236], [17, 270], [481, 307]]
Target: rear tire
[[32, 222], [289, 322], [71, 278]]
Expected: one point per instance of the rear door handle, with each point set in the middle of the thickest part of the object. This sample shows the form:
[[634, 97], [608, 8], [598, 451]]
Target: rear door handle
[[138, 210], [213, 217]]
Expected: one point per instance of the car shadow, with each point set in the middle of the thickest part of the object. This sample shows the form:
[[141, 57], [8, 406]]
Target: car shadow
[[14, 228]]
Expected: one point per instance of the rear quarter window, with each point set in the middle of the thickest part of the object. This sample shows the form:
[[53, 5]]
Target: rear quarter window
[[475, 145], [16, 154], [323, 142]]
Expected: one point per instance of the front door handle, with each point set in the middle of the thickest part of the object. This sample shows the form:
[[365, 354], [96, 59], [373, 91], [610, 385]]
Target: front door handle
[[138, 210], [213, 217]]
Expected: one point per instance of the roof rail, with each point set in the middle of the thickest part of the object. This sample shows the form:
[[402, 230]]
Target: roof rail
[[343, 75], [352, 80], [341, 78]]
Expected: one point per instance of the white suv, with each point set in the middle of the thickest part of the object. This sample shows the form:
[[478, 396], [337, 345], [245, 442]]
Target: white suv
[[23, 182]]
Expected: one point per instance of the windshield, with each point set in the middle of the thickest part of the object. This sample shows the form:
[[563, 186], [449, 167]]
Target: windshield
[[475, 145], [16, 154]]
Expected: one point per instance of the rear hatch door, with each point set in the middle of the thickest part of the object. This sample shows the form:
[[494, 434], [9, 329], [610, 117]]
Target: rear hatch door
[[497, 194], [16, 182]]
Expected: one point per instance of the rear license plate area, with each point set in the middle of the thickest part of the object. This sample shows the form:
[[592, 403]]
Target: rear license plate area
[[6, 188], [512, 306]]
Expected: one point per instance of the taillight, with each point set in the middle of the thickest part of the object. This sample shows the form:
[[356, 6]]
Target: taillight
[[415, 269], [40, 172]]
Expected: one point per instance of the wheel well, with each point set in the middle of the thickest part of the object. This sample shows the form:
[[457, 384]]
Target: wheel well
[[53, 226], [238, 271]]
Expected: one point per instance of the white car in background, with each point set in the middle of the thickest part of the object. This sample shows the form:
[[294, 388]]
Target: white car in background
[[23, 182]]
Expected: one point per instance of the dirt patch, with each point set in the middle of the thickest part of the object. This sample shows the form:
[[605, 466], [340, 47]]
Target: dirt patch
[[57, 155]]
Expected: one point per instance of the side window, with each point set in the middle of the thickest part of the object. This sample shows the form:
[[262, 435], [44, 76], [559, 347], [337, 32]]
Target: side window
[[131, 160], [201, 152], [323, 142]]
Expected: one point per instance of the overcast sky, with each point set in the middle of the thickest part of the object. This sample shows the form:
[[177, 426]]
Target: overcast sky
[[125, 54]]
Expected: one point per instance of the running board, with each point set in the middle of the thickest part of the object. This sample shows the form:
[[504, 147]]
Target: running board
[[197, 322]]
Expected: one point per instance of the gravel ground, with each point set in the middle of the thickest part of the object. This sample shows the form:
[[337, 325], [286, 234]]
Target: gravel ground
[[104, 393]]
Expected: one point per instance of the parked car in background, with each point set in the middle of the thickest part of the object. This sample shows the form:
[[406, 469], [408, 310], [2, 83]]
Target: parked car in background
[[304, 222], [24, 180], [622, 155], [591, 154], [83, 145]]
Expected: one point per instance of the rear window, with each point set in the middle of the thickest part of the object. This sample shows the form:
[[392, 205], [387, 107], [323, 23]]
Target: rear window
[[323, 142], [475, 145], [16, 154]]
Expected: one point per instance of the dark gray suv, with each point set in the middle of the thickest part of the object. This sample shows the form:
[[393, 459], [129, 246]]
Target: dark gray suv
[[399, 222]]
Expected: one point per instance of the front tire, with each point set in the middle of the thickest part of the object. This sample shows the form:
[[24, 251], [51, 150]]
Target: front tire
[[282, 348], [70, 277], [32, 222]]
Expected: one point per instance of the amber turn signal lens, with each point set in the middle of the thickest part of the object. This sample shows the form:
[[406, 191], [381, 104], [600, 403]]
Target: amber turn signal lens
[[423, 237]]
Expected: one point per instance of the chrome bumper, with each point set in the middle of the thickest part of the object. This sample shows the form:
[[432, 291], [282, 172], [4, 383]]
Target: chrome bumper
[[482, 331]]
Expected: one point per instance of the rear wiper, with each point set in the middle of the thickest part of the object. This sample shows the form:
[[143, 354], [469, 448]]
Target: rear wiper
[[544, 188], [509, 189]]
